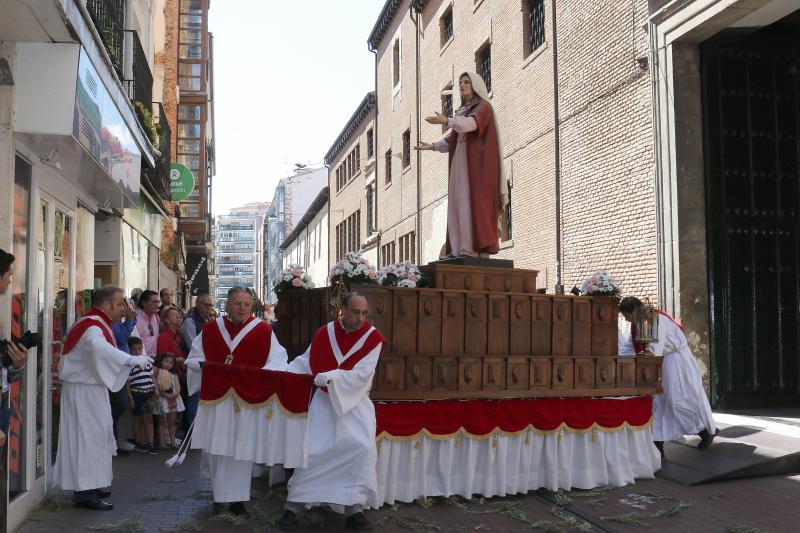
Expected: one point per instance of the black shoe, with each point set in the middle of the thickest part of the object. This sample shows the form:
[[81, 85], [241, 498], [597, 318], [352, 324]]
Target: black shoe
[[660, 445], [706, 438], [141, 448], [357, 522], [239, 509], [103, 493], [120, 451], [95, 505], [219, 508], [151, 450], [288, 521]]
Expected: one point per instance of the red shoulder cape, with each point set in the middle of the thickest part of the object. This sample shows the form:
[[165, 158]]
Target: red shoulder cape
[[78, 328]]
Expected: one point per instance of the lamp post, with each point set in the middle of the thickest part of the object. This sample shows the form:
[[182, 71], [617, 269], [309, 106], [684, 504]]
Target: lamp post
[[646, 320]]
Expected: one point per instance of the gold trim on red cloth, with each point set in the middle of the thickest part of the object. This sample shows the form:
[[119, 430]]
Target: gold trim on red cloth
[[231, 393]]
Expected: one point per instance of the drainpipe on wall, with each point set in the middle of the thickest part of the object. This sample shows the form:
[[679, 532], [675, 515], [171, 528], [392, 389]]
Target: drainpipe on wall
[[415, 20], [377, 166], [557, 148]]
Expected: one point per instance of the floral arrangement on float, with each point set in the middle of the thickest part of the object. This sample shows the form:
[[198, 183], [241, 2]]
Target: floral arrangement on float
[[600, 283], [402, 274], [353, 269], [293, 277]]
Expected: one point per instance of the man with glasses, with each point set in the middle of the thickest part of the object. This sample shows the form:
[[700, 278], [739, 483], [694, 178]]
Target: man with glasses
[[194, 322], [147, 321]]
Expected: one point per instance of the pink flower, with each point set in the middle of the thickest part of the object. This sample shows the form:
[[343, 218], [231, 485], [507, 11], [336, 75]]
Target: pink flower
[[297, 282], [412, 277], [372, 274]]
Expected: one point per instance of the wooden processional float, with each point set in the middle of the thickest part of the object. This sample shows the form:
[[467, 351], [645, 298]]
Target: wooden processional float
[[483, 332]]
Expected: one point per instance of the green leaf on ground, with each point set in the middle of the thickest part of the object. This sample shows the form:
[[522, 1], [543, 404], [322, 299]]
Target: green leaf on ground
[[230, 518], [636, 518], [266, 516], [203, 495], [58, 503], [130, 525], [745, 529], [417, 525], [189, 527]]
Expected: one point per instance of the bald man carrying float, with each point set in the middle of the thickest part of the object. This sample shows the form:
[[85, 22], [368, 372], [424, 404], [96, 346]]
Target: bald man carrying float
[[342, 453]]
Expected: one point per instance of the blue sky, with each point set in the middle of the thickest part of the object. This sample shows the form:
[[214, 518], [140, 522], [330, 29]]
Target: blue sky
[[287, 77]]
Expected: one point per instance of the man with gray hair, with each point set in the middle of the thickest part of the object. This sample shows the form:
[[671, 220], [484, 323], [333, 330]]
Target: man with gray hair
[[238, 339], [90, 366], [192, 324]]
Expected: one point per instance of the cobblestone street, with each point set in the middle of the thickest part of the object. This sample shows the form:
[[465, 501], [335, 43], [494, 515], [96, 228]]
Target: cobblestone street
[[148, 497]]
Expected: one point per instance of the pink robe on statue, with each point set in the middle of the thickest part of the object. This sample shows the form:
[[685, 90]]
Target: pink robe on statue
[[459, 204]]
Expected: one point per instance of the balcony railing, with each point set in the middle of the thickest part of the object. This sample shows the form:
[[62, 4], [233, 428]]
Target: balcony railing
[[109, 19], [140, 86], [159, 176]]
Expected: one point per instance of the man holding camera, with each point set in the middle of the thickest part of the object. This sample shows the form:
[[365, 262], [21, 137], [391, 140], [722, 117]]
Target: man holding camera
[[14, 357], [90, 366]]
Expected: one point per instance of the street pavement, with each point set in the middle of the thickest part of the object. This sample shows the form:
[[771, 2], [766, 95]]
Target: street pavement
[[149, 497]]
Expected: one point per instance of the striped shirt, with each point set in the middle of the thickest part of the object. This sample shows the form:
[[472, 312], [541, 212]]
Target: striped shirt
[[142, 379]]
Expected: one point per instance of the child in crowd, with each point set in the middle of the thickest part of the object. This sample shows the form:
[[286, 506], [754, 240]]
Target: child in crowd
[[142, 391], [169, 390]]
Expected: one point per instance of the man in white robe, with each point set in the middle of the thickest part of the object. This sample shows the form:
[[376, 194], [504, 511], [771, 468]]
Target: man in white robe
[[342, 452], [90, 366], [683, 408], [239, 339]]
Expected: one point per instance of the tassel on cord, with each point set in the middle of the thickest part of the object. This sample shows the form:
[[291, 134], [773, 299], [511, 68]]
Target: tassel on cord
[[594, 434], [181, 454], [458, 440], [527, 437]]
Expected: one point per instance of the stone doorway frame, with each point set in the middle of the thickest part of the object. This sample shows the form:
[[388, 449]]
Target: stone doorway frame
[[676, 31]]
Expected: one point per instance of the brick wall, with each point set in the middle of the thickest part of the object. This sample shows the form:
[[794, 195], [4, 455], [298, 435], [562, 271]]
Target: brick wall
[[608, 203]]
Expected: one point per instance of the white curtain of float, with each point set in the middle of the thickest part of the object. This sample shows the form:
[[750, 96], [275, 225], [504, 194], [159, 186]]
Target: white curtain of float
[[510, 464]]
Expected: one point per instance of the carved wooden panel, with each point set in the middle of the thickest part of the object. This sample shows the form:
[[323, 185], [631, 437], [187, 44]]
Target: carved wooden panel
[[517, 373], [498, 325], [445, 373], [452, 324], [604, 326], [404, 322], [475, 333], [562, 325], [605, 372], [391, 373], [520, 327], [494, 373], [584, 373], [648, 371], [581, 326], [418, 373], [429, 335], [563, 375], [470, 373], [626, 372], [541, 373], [379, 302], [541, 325]]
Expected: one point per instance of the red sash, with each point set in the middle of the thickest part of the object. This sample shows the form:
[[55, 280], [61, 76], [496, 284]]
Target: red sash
[[249, 344], [94, 317], [324, 356]]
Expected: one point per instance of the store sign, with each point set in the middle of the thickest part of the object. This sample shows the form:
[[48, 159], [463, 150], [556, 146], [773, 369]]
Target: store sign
[[101, 130], [181, 182]]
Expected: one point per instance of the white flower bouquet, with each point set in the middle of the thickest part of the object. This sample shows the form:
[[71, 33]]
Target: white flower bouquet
[[403, 274], [293, 277], [353, 269], [599, 283]]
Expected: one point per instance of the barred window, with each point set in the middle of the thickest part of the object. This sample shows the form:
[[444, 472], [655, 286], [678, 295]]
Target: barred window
[[407, 148], [446, 23], [371, 205], [388, 158], [370, 144], [507, 234], [396, 63], [536, 14], [408, 247], [484, 64], [388, 253]]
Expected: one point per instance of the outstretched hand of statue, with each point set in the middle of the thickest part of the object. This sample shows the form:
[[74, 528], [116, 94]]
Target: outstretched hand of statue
[[424, 146], [436, 118]]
